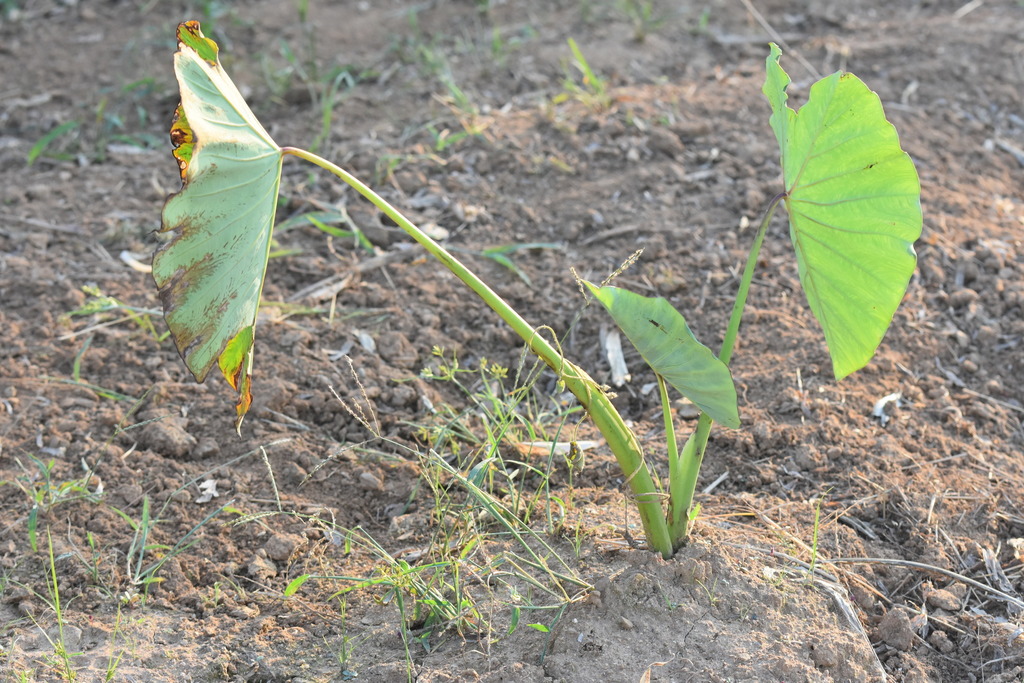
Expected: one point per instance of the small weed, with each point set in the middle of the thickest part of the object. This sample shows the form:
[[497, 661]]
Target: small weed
[[711, 592], [214, 598], [500, 255], [591, 90], [326, 88], [9, 9], [483, 438], [145, 558], [437, 588], [433, 63], [576, 538], [99, 304], [214, 12], [703, 22], [326, 221], [446, 138], [61, 659], [641, 14], [388, 164], [346, 645], [95, 559], [588, 15], [337, 85], [43, 144], [431, 598], [45, 492], [502, 45], [98, 390], [116, 654], [120, 118], [814, 537], [431, 60]]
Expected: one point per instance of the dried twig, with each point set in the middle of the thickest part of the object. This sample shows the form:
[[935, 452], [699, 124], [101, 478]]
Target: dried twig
[[931, 568], [36, 223]]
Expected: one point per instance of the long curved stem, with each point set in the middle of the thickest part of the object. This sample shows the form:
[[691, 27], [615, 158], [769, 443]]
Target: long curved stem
[[620, 437], [729, 341]]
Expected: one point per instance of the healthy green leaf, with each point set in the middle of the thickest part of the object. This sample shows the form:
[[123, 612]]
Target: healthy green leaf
[[211, 272], [853, 198], [515, 619], [665, 341]]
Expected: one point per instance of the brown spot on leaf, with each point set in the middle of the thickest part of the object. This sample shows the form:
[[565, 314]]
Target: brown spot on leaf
[[184, 140]]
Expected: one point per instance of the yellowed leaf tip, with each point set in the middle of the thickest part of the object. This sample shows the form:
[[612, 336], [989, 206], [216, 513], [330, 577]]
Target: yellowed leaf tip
[[190, 36]]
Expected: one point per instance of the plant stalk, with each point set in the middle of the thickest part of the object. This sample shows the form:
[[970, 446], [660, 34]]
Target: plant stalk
[[676, 482], [620, 438], [692, 455], [729, 341]]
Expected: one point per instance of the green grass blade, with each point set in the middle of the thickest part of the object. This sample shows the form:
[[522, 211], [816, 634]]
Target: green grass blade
[[355, 233], [33, 523], [296, 583], [40, 147]]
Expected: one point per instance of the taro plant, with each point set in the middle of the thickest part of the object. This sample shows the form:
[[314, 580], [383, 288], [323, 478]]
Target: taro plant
[[852, 195]]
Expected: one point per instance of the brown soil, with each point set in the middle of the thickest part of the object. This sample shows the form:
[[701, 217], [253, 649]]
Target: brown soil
[[107, 445]]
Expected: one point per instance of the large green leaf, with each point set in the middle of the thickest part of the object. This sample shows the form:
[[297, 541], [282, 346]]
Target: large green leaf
[[210, 273], [660, 333], [853, 198]]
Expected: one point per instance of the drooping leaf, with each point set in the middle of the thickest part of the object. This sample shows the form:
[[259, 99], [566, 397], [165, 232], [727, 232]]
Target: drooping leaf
[[665, 342], [853, 198], [210, 273]]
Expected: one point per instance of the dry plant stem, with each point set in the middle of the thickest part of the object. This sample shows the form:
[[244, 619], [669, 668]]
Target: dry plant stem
[[620, 438], [931, 568], [692, 454]]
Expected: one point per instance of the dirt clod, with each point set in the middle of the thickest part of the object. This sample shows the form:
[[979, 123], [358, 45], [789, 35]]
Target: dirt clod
[[168, 437], [895, 629], [280, 547], [260, 568], [941, 641], [943, 599], [370, 482]]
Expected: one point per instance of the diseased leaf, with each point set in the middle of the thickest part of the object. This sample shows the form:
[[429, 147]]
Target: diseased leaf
[[210, 273], [853, 198], [665, 341]]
